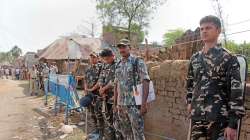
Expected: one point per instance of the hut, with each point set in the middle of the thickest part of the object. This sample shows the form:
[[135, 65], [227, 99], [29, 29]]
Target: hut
[[66, 50]]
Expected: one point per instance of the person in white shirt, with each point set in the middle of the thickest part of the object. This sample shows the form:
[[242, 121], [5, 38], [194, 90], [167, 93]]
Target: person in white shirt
[[53, 69], [17, 73]]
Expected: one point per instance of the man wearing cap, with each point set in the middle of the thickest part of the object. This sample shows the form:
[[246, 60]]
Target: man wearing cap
[[106, 82], [214, 88], [130, 71], [91, 87]]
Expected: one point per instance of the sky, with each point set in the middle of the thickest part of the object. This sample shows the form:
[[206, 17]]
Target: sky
[[34, 24]]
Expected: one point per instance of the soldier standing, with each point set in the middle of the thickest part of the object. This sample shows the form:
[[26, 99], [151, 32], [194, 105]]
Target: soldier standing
[[106, 82], [91, 99], [130, 71], [214, 88]]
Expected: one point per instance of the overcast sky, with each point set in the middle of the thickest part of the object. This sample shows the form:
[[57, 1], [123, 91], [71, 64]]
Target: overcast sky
[[34, 24]]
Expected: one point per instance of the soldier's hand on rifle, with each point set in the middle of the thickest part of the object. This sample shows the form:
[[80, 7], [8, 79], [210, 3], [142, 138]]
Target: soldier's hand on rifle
[[230, 133]]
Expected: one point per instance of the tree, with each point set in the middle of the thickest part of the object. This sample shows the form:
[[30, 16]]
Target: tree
[[232, 46], [127, 12], [135, 28], [11, 55], [3, 57], [219, 12], [243, 49], [16, 52], [170, 37]]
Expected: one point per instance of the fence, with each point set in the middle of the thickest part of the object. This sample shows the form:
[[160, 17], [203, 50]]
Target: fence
[[63, 87]]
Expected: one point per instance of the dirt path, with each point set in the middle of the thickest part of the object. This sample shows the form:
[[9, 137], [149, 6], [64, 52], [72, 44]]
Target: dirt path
[[17, 118]]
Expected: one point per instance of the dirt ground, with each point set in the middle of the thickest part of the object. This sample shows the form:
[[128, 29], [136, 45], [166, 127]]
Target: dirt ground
[[24, 117], [17, 118]]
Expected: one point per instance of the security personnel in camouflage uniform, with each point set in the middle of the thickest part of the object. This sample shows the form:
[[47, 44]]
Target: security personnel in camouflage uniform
[[214, 88], [91, 86], [130, 71], [106, 82]]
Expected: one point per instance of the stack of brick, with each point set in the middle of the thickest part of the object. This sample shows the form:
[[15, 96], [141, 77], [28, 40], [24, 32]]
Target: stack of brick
[[167, 116], [184, 46]]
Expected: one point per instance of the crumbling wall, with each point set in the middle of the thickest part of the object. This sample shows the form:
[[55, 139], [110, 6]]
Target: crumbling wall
[[167, 116], [184, 46]]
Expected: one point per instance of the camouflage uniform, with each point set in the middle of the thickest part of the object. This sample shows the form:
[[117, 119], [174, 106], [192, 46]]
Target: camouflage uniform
[[107, 77], [214, 91], [91, 76], [128, 120]]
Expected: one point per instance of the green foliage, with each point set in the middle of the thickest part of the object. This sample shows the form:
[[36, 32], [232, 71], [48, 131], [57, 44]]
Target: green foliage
[[126, 13], [238, 48], [11, 55], [243, 49], [135, 28], [232, 46], [170, 37], [15, 52]]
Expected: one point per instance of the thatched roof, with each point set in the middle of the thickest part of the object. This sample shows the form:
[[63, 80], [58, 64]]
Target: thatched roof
[[74, 47]]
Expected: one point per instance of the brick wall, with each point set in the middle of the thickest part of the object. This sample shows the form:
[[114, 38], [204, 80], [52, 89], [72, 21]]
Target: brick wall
[[184, 47], [167, 116]]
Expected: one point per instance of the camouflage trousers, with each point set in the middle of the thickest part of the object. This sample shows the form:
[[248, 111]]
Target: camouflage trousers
[[129, 123], [96, 113], [203, 130]]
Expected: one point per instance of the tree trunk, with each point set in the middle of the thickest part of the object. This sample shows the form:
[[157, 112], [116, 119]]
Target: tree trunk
[[129, 29]]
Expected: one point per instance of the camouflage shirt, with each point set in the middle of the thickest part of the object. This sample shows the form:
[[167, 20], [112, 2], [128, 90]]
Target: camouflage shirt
[[107, 75], [92, 74], [214, 87], [128, 73]]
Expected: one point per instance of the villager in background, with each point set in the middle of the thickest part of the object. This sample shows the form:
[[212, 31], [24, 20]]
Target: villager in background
[[53, 68], [39, 68], [1, 73], [130, 72], [45, 76], [26, 71], [33, 79], [17, 73], [214, 88], [13, 73], [7, 73]]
